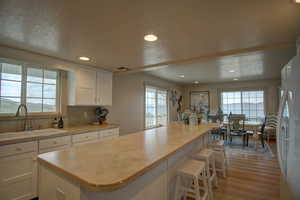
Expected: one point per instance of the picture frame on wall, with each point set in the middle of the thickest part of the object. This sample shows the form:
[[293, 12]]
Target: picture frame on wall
[[199, 101]]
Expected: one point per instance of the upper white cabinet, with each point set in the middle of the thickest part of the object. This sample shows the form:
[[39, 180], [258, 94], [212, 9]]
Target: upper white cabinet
[[89, 87], [104, 88]]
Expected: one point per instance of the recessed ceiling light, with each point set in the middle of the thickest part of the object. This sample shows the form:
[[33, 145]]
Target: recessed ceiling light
[[235, 79], [297, 1], [231, 71], [196, 82], [84, 58], [150, 38], [181, 76]]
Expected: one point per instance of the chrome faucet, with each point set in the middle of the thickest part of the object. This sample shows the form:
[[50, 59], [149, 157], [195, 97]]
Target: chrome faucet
[[26, 125]]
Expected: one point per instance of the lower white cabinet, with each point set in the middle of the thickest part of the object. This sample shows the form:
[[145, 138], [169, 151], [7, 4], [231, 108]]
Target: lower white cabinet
[[18, 171], [85, 138], [18, 162], [109, 134], [54, 144]]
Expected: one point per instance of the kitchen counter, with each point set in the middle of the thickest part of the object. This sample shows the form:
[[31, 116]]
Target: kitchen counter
[[16, 137], [113, 163]]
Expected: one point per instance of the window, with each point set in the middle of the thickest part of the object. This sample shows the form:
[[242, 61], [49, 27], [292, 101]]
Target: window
[[35, 87], [250, 103], [156, 107]]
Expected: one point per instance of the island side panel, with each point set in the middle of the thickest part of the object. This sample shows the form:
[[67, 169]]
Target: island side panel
[[157, 183], [54, 186], [149, 186]]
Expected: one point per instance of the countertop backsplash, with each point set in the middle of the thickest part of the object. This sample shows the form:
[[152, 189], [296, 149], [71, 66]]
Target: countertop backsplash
[[76, 115]]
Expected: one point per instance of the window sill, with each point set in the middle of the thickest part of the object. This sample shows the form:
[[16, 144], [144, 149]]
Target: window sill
[[6, 117]]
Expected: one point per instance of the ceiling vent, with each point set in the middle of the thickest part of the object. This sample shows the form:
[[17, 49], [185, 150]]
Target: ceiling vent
[[122, 69]]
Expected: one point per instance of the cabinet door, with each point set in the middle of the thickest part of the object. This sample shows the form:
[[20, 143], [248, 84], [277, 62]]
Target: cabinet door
[[107, 89], [104, 88], [86, 87], [54, 144], [85, 138], [18, 177], [99, 87]]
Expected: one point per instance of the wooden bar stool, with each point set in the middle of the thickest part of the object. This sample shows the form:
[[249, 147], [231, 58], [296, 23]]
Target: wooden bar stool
[[220, 155], [191, 181], [217, 144], [208, 156], [221, 162]]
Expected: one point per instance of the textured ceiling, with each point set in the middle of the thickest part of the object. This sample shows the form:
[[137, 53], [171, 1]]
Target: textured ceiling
[[252, 66], [111, 32]]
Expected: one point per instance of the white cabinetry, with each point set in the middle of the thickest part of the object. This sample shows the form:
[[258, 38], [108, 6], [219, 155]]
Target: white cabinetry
[[85, 138], [104, 88], [54, 144], [82, 87], [109, 134], [18, 169], [18, 165], [89, 87]]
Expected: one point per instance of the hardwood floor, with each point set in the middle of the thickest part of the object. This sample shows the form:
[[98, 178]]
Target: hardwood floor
[[251, 176]]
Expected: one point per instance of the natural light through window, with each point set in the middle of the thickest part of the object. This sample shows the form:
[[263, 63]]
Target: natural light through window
[[250, 103], [156, 107], [33, 86]]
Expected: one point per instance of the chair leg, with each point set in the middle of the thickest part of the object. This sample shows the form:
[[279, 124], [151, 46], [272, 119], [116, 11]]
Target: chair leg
[[177, 188], [262, 141], [197, 189], [247, 136]]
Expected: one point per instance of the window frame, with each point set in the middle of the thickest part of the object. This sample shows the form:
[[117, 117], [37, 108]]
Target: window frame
[[241, 94], [24, 97], [145, 105]]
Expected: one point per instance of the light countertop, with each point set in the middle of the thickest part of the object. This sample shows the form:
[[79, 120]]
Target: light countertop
[[16, 137], [111, 163]]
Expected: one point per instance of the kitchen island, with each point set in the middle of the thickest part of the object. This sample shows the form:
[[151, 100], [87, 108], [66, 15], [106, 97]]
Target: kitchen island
[[141, 165]]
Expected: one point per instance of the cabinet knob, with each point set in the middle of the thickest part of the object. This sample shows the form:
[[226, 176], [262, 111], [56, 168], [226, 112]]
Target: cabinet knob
[[18, 149], [54, 142]]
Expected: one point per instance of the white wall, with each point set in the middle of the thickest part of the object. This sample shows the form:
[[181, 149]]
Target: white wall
[[128, 100], [271, 88]]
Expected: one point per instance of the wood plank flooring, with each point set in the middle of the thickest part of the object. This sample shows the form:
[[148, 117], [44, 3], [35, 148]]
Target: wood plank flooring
[[250, 177]]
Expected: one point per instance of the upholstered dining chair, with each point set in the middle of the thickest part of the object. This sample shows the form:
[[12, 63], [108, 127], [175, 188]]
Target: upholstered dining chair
[[236, 123]]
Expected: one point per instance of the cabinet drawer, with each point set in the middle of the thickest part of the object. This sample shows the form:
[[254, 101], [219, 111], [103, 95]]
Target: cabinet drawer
[[21, 190], [19, 148], [109, 133], [54, 142], [85, 137]]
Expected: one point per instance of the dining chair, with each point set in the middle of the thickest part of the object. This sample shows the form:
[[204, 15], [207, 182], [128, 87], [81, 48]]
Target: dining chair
[[271, 125], [260, 135], [236, 123]]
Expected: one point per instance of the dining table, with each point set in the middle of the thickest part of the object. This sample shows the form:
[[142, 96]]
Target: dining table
[[251, 128]]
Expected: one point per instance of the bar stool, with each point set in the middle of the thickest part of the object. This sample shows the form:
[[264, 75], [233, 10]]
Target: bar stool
[[189, 177], [220, 155], [217, 144], [208, 156], [221, 164]]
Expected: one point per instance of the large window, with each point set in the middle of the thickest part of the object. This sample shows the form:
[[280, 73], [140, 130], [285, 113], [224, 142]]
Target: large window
[[156, 107], [250, 103], [33, 86]]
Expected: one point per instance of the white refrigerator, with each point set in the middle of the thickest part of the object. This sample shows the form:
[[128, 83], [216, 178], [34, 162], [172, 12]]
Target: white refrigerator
[[288, 130]]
